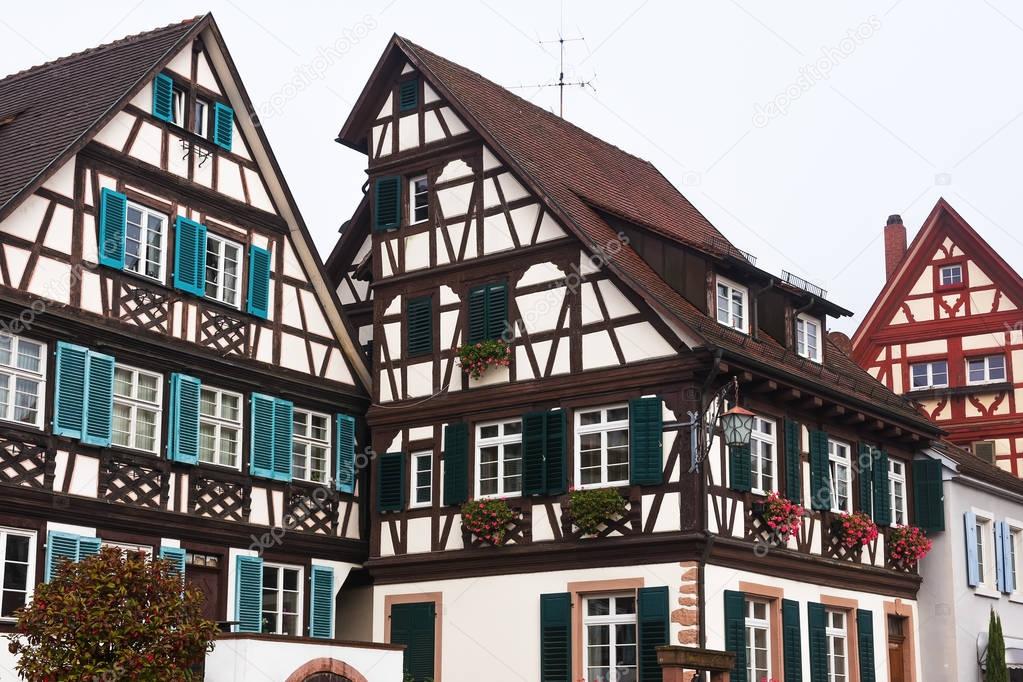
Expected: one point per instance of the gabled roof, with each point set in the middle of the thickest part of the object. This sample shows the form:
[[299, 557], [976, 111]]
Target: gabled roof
[[575, 174], [970, 465]]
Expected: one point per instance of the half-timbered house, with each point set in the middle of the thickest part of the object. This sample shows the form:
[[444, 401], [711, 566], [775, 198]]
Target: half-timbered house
[[628, 315], [176, 377]]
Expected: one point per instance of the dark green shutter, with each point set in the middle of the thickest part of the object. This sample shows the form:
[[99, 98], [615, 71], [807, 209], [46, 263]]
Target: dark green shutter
[[865, 637], [556, 637], [223, 125], [189, 256], [555, 454], [652, 617], [820, 472], [387, 203], [99, 401], [792, 645], [419, 317], [391, 482], [408, 95], [533, 444], [163, 97], [928, 495], [477, 314], [69, 394], [793, 461], [497, 310], [865, 464], [284, 424], [456, 463], [258, 303], [261, 443], [739, 476], [882, 495], [183, 439], [248, 597], [646, 462], [735, 633], [321, 602], [816, 625], [113, 224], [414, 626], [344, 476]]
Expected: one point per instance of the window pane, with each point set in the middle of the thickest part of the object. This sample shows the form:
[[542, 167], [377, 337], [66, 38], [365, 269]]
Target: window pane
[[598, 607], [17, 548]]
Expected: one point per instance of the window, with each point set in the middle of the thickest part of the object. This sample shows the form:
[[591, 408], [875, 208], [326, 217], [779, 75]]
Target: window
[[808, 337], [220, 427], [609, 634], [22, 379], [838, 653], [144, 241], [839, 463], [758, 638], [985, 450], [282, 599], [985, 370], [951, 275], [762, 452], [897, 491], [17, 570], [499, 459], [223, 263], [137, 405], [986, 570], [422, 479], [130, 548], [419, 199], [310, 446], [731, 305], [201, 111], [178, 112], [929, 374], [1013, 560], [602, 445]]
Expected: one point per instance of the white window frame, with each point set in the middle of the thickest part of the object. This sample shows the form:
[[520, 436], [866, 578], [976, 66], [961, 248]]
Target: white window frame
[[950, 268], [201, 123], [759, 441], [838, 461], [179, 105], [986, 569], [930, 374], [837, 641], [500, 442], [803, 324], [413, 195], [30, 575], [126, 547], [308, 441], [414, 486], [279, 613], [987, 370], [752, 623], [219, 423], [235, 301], [143, 257], [603, 428], [897, 482], [610, 620], [13, 372], [731, 289], [1015, 558], [134, 404]]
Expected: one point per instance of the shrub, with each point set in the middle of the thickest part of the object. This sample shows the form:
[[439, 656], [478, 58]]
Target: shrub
[[487, 519], [590, 509], [476, 358]]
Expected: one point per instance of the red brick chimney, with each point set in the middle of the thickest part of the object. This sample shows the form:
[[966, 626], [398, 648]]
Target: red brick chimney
[[894, 244]]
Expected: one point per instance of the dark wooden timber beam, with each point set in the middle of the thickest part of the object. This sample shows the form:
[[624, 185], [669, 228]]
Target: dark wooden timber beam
[[790, 394], [835, 411], [812, 403], [876, 425], [766, 386]]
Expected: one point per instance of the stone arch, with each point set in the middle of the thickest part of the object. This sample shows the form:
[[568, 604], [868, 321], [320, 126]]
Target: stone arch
[[326, 670]]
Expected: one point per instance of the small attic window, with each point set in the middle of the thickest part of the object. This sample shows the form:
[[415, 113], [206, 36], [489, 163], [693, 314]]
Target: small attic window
[[408, 95]]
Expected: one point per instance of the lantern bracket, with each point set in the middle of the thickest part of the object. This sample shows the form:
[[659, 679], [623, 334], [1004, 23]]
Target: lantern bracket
[[703, 424]]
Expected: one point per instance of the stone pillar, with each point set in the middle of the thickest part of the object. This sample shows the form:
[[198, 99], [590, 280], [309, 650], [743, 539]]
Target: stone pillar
[[687, 613]]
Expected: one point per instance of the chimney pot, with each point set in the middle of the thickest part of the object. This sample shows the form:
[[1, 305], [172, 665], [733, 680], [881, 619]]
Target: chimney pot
[[895, 219], [894, 244]]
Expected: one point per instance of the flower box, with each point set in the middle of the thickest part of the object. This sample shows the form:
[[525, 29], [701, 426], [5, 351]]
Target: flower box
[[854, 530], [476, 358], [590, 510], [488, 520]]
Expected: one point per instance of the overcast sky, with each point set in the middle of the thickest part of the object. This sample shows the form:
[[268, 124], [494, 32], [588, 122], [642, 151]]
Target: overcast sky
[[796, 127]]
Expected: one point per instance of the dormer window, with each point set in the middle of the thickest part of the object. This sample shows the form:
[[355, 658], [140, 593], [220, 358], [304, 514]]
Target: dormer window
[[808, 337], [731, 305]]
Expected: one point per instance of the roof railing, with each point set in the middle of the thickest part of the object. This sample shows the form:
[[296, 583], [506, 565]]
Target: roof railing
[[797, 281], [722, 246]]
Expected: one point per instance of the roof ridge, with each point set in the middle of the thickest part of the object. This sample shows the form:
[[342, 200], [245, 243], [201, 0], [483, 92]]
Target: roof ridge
[[75, 56]]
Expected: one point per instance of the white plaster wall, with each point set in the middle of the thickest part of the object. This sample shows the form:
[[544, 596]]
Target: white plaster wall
[[234, 660]]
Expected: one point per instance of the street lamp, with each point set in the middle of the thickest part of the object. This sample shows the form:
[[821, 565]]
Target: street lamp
[[736, 424]]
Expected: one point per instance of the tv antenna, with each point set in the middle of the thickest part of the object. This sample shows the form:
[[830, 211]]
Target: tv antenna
[[561, 82]]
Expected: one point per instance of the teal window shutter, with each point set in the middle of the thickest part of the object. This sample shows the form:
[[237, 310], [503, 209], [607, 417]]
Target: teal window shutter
[[792, 644], [261, 444], [176, 556], [488, 312], [882, 493], [321, 602], [928, 495], [248, 594], [646, 462], [258, 302], [99, 400], [735, 633], [113, 225], [652, 618], [866, 477], [419, 318], [414, 625], [456, 463], [820, 472], [69, 392], [183, 439], [972, 560], [816, 625], [87, 547], [865, 642], [408, 95], [386, 203], [345, 448], [740, 477], [555, 452], [793, 461], [163, 97], [391, 482], [223, 125], [999, 557], [283, 430], [189, 256], [59, 547], [534, 440], [556, 637]]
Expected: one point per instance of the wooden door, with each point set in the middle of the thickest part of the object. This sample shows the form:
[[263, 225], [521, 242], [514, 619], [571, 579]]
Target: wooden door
[[898, 662], [203, 572]]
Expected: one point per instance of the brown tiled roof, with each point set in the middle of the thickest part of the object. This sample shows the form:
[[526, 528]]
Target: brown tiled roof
[[57, 104], [974, 467]]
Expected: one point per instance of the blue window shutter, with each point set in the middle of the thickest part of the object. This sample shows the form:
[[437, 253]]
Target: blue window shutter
[[59, 547], [87, 547], [283, 426], [113, 224], [972, 563], [259, 282], [1000, 557], [865, 644], [189, 256], [735, 632], [248, 594], [1007, 559], [556, 637], [163, 97], [653, 619], [344, 446], [99, 400], [387, 203], [176, 555], [261, 449], [321, 601], [223, 125], [69, 394], [183, 440]]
